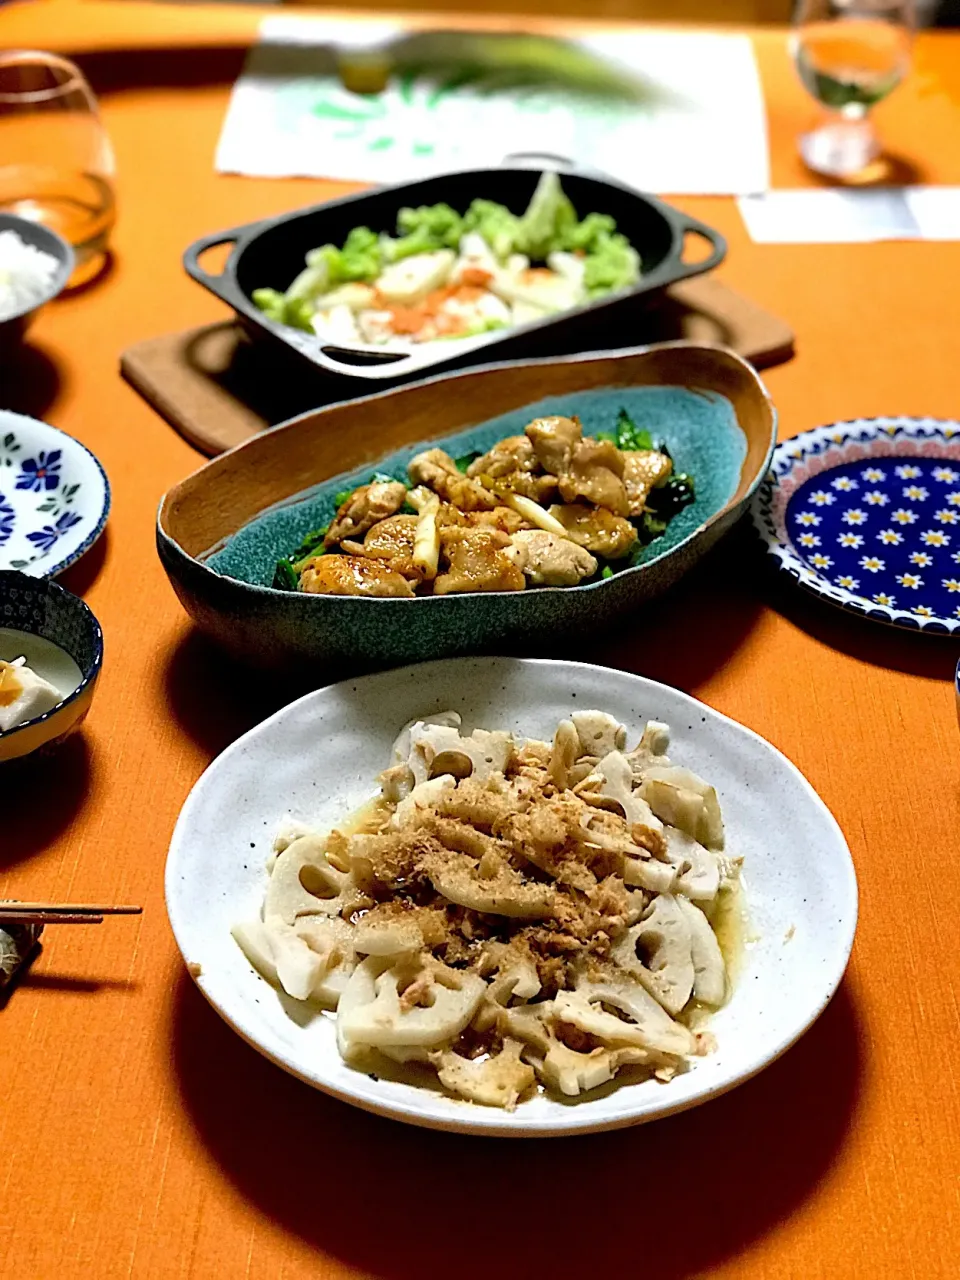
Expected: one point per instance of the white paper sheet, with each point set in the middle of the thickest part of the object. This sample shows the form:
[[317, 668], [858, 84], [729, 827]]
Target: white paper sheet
[[853, 217], [689, 117]]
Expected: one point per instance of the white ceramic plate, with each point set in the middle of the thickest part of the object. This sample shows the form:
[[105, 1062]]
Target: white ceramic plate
[[54, 497], [317, 759]]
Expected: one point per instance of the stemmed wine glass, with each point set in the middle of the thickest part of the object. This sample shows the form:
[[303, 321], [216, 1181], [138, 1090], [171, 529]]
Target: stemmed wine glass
[[56, 162], [850, 54]]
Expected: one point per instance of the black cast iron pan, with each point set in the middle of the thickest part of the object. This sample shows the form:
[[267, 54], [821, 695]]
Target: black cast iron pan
[[271, 252]]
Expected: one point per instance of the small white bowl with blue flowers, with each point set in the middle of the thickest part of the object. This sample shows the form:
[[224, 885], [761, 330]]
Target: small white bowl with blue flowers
[[54, 497], [866, 514]]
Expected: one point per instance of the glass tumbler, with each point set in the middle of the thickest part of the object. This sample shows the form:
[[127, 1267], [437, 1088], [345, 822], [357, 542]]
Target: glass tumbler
[[56, 162]]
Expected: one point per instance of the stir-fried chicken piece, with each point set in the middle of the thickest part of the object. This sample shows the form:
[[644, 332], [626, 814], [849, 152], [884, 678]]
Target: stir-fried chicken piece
[[438, 471], [515, 453], [351, 576], [477, 561], [390, 541], [553, 440], [641, 471], [364, 508], [597, 529], [552, 561], [512, 464], [502, 518], [596, 474]]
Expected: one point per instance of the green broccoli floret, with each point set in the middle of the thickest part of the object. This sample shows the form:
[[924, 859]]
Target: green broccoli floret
[[584, 236], [496, 224], [277, 306], [359, 259], [613, 263], [271, 302], [423, 230]]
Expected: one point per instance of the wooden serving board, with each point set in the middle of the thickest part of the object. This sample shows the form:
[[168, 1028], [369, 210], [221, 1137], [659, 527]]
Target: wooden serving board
[[217, 388]]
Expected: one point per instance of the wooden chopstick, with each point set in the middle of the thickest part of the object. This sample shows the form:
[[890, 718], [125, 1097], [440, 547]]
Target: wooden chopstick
[[73, 908], [48, 917], [60, 912]]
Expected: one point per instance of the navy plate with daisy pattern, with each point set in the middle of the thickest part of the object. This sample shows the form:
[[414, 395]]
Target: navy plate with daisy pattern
[[866, 514]]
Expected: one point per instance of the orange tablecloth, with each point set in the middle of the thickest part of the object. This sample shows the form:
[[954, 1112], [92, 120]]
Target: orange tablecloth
[[140, 1137]]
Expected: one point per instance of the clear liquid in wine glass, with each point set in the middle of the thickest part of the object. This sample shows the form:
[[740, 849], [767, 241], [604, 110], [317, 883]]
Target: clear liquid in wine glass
[[56, 162], [854, 63], [850, 54]]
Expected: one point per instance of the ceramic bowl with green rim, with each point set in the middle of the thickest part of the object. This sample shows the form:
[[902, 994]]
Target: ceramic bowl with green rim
[[62, 642], [222, 530]]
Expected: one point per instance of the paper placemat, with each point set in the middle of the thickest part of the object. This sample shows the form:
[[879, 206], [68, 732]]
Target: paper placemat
[[217, 388], [665, 111], [839, 216]]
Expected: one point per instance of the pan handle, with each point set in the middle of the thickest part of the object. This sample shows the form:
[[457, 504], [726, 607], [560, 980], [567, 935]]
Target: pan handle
[[368, 366], [718, 246], [220, 284], [377, 366], [540, 160]]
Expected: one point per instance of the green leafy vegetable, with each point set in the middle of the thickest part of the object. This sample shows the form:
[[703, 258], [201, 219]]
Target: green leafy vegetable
[[630, 436], [340, 498], [465, 461], [627, 435], [670, 497], [311, 545], [664, 502], [285, 576], [607, 572], [649, 528], [496, 224]]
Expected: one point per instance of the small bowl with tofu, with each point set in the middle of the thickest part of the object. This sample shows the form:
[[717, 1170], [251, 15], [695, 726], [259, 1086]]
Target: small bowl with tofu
[[452, 270], [51, 652]]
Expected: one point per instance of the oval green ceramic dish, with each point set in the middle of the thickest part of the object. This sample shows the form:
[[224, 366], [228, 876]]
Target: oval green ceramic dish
[[221, 530]]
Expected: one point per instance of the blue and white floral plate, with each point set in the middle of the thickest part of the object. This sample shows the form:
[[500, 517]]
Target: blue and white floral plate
[[54, 497], [866, 514]]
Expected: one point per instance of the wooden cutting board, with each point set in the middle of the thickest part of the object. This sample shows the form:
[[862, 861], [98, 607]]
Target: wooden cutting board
[[217, 388]]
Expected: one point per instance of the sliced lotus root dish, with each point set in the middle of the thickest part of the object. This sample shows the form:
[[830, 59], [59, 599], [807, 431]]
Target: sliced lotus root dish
[[509, 913]]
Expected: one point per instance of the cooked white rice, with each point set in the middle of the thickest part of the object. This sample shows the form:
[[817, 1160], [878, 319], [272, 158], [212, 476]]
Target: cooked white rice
[[26, 275]]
